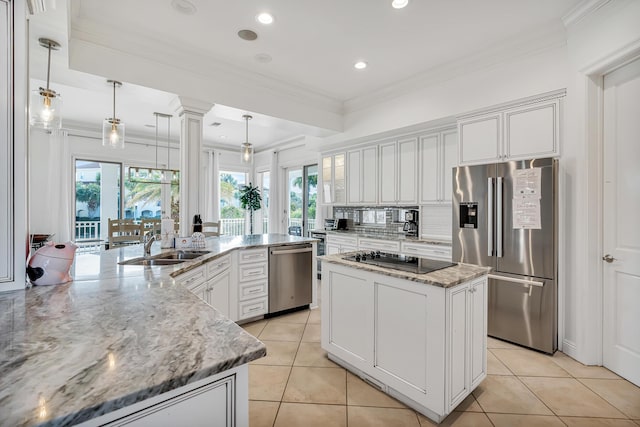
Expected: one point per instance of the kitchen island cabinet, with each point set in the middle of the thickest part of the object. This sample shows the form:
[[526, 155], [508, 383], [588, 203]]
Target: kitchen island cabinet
[[420, 338], [130, 344]]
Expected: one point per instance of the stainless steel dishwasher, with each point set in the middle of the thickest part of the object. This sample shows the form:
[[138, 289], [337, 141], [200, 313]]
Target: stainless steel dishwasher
[[289, 276]]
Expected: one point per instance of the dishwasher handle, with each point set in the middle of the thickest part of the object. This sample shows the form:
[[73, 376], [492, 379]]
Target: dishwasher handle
[[291, 251]]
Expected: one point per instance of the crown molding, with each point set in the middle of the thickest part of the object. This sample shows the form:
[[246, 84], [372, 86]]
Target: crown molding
[[549, 37], [582, 10]]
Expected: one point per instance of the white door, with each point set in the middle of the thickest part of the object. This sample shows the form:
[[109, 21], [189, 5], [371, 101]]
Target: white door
[[621, 258]]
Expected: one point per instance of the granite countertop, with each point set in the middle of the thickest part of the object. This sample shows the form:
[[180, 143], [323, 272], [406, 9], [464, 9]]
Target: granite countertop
[[114, 336], [390, 236], [444, 278]]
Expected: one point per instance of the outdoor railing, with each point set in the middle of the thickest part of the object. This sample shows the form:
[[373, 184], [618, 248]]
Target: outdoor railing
[[87, 230], [90, 230]]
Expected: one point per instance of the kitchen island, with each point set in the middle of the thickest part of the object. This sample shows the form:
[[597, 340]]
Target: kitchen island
[[121, 339], [420, 338]]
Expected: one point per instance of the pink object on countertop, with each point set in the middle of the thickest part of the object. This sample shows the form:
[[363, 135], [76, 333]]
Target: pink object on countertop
[[51, 263]]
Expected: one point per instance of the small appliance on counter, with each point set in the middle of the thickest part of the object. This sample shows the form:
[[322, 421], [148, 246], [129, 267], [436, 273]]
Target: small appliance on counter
[[51, 263], [410, 227], [335, 224], [197, 224]]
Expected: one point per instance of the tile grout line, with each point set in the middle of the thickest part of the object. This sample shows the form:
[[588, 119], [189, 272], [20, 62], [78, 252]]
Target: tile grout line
[[604, 398]]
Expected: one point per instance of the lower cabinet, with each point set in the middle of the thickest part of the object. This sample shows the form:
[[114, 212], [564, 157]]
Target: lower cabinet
[[220, 401], [217, 292], [425, 345], [426, 250], [337, 244]]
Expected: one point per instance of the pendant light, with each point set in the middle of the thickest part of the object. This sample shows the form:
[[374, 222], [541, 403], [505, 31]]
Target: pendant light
[[46, 104], [246, 149], [112, 128], [157, 175]]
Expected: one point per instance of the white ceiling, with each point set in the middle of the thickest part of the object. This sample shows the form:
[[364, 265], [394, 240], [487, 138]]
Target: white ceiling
[[313, 45]]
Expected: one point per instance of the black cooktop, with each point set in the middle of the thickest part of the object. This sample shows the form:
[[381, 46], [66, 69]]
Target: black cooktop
[[407, 263]]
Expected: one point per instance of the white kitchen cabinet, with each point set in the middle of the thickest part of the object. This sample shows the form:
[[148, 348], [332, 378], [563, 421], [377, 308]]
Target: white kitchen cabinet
[[424, 345], [253, 278], [522, 130], [334, 179], [438, 156], [221, 400], [337, 244], [362, 175], [217, 292], [6, 146], [426, 250], [398, 166], [400, 357], [368, 244], [347, 329], [467, 332]]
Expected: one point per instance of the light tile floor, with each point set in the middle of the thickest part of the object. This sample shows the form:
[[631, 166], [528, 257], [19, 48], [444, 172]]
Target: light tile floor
[[296, 385]]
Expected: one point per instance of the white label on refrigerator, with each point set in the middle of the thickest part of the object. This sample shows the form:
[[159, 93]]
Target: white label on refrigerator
[[526, 214], [526, 183]]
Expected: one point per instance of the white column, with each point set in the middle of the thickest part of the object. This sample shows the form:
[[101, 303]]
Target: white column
[[192, 195]]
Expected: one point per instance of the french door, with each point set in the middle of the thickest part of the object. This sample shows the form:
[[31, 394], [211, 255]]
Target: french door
[[302, 190]]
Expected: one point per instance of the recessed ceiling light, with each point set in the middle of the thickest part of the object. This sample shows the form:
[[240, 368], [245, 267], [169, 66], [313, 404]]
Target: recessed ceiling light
[[360, 65], [184, 6], [223, 136], [399, 4], [263, 58], [149, 126], [265, 18], [215, 124], [247, 35]]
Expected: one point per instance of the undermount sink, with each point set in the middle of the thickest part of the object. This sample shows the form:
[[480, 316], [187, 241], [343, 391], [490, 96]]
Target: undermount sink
[[167, 258], [181, 255], [152, 261]]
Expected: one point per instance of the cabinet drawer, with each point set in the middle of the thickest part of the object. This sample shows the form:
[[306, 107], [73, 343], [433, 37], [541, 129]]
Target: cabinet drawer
[[379, 245], [427, 251], [252, 290], [192, 278], [253, 255], [251, 272], [342, 240], [217, 266], [252, 308]]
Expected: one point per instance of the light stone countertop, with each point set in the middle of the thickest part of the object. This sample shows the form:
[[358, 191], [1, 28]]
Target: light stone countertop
[[390, 236], [443, 278], [114, 336]]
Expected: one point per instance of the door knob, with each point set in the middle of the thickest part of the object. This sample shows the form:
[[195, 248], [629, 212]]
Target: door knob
[[608, 258]]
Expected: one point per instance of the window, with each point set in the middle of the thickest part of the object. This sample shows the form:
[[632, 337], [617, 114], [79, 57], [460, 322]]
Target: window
[[150, 200], [97, 197], [232, 216], [98, 189]]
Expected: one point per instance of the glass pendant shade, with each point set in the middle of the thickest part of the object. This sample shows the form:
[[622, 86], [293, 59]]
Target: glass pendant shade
[[246, 153], [45, 108], [246, 149], [113, 133], [113, 128]]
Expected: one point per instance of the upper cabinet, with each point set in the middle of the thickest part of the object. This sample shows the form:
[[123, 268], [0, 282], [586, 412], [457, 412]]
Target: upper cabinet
[[438, 156], [528, 129], [398, 172], [362, 176], [334, 179]]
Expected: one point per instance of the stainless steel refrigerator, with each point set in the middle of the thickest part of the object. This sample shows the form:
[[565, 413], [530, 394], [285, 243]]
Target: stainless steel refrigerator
[[505, 217]]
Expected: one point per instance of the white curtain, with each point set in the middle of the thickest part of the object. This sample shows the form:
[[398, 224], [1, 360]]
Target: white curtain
[[276, 216], [212, 187], [60, 184]]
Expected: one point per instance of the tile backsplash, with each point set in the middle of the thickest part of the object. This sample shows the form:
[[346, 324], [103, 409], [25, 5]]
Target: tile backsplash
[[384, 220]]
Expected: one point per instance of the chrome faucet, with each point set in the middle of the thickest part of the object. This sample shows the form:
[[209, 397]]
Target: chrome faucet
[[149, 238]]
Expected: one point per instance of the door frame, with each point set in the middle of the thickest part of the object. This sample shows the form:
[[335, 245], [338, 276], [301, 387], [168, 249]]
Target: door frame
[[591, 349]]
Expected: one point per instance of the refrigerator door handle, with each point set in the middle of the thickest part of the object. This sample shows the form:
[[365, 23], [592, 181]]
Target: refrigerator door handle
[[530, 283], [499, 217], [490, 217]]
